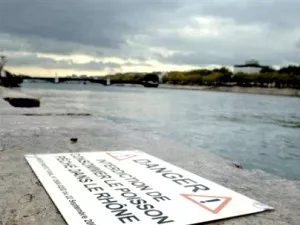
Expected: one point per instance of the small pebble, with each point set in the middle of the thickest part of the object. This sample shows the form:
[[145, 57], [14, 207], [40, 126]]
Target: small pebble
[[73, 140], [239, 166], [26, 198]]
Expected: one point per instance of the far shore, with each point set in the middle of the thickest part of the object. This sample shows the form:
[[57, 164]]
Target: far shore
[[234, 89], [237, 89]]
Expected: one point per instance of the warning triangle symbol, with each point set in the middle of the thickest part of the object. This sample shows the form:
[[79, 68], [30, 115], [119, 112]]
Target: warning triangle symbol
[[213, 204], [120, 156]]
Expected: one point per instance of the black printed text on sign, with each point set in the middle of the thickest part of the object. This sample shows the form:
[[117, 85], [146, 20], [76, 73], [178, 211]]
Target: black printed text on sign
[[132, 187]]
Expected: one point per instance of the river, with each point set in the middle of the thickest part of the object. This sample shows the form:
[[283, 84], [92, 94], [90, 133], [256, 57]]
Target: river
[[257, 131]]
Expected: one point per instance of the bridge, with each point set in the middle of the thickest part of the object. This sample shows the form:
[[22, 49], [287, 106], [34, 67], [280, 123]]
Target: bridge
[[103, 81], [149, 80]]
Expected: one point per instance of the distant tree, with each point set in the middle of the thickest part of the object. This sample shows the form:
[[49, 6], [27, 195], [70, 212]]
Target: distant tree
[[267, 69], [239, 78], [226, 74], [291, 70], [153, 77], [175, 77], [213, 78]]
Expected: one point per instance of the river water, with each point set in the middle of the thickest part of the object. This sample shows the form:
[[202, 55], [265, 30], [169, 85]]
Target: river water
[[257, 131]]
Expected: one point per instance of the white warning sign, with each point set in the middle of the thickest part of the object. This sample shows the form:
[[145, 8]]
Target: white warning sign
[[132, 187]]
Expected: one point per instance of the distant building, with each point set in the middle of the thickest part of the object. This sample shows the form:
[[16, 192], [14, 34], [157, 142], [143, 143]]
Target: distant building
[[2, 73], [160, 75], [250, 66], [108, 81], [3, 61]]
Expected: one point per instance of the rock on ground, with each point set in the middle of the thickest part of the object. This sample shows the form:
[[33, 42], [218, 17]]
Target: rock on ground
[[19, 99]]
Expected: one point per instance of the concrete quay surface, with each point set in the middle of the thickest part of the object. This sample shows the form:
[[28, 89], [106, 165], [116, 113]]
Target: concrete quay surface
[[30, 131]]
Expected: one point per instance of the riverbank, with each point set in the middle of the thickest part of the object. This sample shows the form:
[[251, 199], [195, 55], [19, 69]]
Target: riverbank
[[236, 89], [24, 201]]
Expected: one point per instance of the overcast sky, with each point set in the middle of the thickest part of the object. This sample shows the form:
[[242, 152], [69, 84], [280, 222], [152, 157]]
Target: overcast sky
[[44, 37]]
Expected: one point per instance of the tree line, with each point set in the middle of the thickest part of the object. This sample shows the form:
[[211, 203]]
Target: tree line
[[268, 77], [285, 77]]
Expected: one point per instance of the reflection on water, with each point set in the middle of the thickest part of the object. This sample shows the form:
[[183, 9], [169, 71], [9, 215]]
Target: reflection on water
[[293, 122], [258, 131], [288, 123]]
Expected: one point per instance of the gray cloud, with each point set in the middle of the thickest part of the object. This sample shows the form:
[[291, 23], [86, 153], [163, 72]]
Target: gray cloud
[[75, 21], [89, 22], [47, 63], [267, 30], [298, 44], [276, 13], [198, 58]]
